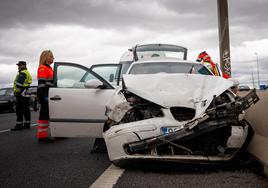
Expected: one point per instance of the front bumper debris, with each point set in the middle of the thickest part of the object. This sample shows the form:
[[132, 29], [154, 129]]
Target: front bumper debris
[[214, 118]]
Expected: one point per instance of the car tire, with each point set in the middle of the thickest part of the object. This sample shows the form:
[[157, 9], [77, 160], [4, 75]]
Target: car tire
[[12, 107]]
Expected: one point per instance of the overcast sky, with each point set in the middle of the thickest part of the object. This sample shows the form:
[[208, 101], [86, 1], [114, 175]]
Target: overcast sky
[[99, 31]]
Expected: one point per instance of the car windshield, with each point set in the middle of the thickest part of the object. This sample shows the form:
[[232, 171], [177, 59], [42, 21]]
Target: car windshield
[[165, 67]]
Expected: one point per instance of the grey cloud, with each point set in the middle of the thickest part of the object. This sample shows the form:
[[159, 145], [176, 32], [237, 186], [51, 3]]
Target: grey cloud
[[105, 14], [120, 14], [248, 12], [248, 20], [194, 22], [250, 16], [263, 64], [249, 67]]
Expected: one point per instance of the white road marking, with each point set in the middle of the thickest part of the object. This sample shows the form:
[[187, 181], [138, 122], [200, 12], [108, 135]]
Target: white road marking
[[4, 131], [108, 178]]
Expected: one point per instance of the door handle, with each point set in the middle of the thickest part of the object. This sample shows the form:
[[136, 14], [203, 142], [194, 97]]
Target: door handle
[[55, 98]]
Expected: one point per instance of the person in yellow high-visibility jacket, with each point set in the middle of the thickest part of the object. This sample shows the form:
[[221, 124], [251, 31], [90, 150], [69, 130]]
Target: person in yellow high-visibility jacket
[[21, 84]]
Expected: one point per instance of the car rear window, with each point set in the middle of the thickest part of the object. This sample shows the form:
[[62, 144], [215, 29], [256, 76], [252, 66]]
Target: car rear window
[[165, 67]]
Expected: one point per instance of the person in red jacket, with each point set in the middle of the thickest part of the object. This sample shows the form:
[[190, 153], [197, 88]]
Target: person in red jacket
[[206, 59], [45, 81]]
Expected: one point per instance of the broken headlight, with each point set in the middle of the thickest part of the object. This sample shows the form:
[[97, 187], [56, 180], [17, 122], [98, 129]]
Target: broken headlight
[[142, 109]]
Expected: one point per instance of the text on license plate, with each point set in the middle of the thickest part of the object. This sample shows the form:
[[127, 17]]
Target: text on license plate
[[167, 130]]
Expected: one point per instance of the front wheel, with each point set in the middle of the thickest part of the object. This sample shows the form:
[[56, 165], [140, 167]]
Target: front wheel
[[12, 107]]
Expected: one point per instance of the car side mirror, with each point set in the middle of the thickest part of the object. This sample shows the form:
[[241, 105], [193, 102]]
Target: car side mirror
[[93, 84], [111, 78]]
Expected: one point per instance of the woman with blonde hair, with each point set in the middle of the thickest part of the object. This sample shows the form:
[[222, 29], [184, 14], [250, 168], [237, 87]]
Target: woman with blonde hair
[[45, 81]]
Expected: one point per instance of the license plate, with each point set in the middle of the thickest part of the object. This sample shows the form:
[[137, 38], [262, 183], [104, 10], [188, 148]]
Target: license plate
[[167, 130]]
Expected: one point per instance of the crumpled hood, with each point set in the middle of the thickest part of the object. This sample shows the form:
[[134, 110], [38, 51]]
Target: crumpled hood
[[185, 90]]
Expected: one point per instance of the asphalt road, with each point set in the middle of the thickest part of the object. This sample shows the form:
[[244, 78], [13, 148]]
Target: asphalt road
[[69, 163]]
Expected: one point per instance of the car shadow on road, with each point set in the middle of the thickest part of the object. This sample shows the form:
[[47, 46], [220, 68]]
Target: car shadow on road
[[245, 163]]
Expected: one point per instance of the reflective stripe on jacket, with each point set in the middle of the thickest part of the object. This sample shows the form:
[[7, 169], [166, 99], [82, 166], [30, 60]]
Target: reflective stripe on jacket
[[42, 129]]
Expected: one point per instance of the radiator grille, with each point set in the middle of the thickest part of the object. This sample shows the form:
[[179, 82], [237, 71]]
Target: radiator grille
[[182, 113]]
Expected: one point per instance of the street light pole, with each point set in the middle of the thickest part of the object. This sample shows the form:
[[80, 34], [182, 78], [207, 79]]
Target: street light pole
[[253, 83], [252, 77], [258, 69]]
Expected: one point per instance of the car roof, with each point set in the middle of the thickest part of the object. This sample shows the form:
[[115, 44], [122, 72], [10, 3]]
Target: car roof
[[160, 44]]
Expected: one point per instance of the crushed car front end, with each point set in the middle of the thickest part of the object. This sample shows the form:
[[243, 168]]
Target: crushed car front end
[[177, 117]]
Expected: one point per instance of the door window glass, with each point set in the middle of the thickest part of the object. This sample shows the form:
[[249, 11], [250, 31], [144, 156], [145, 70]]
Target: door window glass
[[109, 72], [72, 77], [10, 92], [2, 92], [125, 66]]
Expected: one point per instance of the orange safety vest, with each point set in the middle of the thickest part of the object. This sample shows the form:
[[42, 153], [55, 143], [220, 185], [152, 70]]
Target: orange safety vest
[[45, 76]]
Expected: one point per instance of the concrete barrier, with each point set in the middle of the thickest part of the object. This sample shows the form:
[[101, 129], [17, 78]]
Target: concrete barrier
[[257, 116]]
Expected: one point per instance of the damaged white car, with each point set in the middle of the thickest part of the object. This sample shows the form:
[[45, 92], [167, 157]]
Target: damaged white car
[[175, 110], [164, 108]]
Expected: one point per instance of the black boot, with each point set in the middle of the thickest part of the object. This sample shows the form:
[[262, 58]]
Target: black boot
[[26, 126], [45, 140], [99, 146], [17, 127]]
